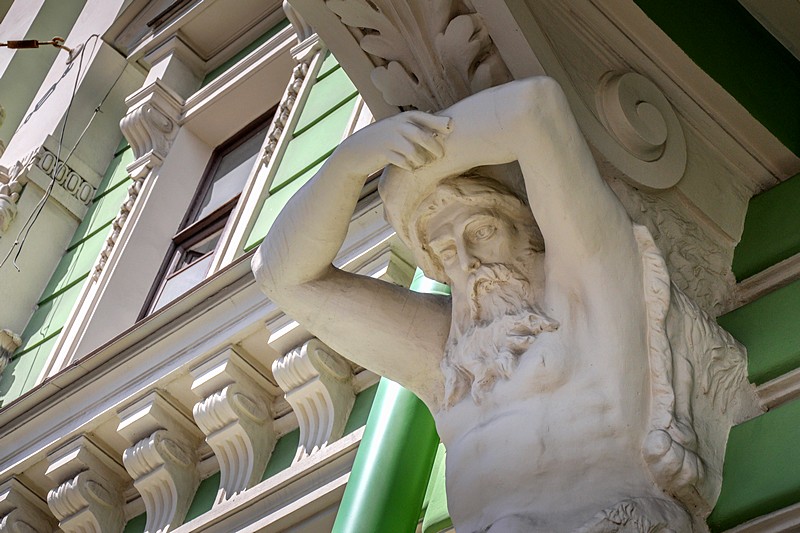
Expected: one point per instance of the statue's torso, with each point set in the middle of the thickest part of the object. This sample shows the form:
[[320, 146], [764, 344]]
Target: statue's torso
[[557, 442]]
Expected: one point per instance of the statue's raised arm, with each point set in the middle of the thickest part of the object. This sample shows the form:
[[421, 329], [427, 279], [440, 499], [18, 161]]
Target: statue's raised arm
[[402, 335]]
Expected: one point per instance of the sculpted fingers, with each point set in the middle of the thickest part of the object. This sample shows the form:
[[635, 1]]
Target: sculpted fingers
[[439, 124]]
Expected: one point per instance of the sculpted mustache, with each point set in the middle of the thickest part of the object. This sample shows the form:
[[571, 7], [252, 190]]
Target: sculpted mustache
[[486, 276]]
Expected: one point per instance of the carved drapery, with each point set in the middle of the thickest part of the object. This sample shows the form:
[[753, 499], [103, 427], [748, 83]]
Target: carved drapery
[[88, 498], [318, 386], [236, 419], [698, 388], [22, 511], [162, 459]]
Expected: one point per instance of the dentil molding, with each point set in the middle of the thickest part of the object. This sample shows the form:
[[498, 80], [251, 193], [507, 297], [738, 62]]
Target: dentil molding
[[318, 386]]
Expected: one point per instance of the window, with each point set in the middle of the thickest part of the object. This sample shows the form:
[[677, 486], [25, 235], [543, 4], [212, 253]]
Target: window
[[193, 247]]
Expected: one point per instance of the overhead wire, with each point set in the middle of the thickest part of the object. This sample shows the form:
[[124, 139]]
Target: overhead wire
[[22, 236]]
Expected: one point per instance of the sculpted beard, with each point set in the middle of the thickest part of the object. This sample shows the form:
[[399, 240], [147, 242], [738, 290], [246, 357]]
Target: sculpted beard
[[501, 323]]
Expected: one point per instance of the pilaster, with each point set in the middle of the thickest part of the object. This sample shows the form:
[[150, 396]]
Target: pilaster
[[318, 385], [162, 459], [150, 126], [88, 497], [235, 417], [22, 510]]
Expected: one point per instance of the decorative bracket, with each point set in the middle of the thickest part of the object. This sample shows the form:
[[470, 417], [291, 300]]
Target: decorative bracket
[[150, 126], [318, 385], [235, 417], [162, 459], [88, 497], [22, 511], [9, 342]]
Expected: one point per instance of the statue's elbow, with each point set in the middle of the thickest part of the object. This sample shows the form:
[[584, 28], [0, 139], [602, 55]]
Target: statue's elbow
[[264, 272]]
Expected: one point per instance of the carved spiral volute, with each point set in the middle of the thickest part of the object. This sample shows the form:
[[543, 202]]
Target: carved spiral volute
[[642, 121]]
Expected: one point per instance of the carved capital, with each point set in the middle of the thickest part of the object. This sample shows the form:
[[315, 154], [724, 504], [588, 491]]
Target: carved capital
[[235, 417], [162, 459], [318, 386], [150, 126], [426, 55], [88, 497], [22, 510]]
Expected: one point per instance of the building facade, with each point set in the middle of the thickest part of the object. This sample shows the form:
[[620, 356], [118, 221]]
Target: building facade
[[148, 385]]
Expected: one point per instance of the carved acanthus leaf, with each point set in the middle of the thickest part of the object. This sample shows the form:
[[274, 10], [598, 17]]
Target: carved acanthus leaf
[[428, 55]]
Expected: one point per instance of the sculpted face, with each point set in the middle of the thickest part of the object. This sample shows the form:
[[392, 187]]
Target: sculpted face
[[477, 248], [482, 239]]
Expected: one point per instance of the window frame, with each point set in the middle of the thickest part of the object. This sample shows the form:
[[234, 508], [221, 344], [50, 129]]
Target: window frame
[[191, 231]]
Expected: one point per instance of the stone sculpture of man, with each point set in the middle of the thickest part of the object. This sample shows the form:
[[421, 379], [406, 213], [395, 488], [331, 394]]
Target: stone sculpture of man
[[540, 370]]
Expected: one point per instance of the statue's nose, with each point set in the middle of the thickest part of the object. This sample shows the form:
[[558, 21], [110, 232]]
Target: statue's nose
[[469, 263]]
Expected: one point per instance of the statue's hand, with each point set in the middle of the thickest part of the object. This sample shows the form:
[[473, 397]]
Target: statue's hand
[[408, 140]]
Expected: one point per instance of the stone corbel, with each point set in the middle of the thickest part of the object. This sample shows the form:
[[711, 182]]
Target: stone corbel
[[89, 493], [22, 510], [150, 126], [162, 459], [10, 189], [235, 417], [318, 386], [9, 342]]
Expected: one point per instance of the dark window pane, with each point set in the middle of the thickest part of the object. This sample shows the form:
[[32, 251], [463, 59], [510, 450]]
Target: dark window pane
[[231, 174]]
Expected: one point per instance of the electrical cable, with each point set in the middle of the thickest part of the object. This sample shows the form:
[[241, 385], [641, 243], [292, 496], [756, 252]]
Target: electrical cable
[[58, 165]]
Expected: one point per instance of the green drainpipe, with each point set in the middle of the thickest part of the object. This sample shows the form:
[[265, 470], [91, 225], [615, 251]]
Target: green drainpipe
[[394, 461]]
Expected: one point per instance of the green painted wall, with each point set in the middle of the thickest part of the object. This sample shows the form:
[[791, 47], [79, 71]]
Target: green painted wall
[[64, 287], [723, 39], [319, 130], [762, 468], [762, 461], [771, 229], [768, 327]]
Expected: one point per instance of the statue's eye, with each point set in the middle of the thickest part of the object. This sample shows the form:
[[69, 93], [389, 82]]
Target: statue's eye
[[484, 232], [447, 254]]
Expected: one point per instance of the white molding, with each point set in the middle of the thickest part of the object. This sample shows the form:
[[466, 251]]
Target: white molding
[[256, 190], [318, 385], [158, 352], [786, 519], [234, 415], [780, 390], [287, 498], [768, 280], [162, 459]]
